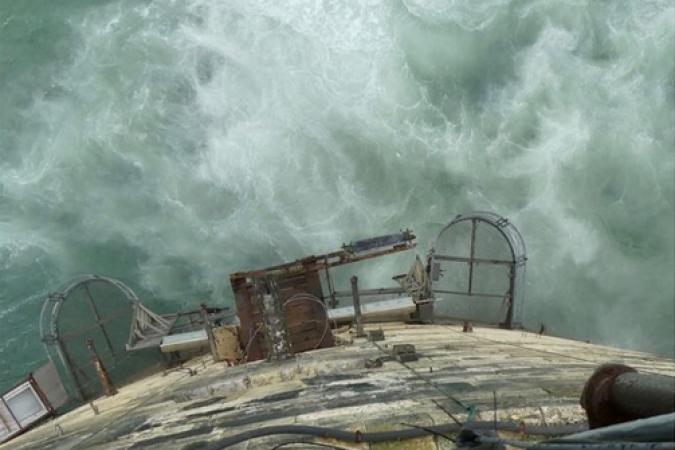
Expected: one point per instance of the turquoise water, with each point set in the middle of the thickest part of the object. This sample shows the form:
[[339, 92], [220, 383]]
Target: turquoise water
[[169, 143]]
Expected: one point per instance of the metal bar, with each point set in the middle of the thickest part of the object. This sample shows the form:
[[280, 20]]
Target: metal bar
[[388, 240], [331, 293], [472, 254], [255, 273], [474, 294], [209, 332], [65, 359], [98, 318], [172, 316], [474, 260], [368, 292], [319, 262], [357, 307], [508, 322], [348, 259], [157, 329], [83, 331]]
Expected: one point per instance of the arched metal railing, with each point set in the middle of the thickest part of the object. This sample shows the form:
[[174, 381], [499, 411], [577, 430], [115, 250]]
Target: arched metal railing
[[514, 265], [64, 337]]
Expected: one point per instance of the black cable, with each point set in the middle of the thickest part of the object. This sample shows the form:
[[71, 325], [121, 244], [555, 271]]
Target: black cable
[[435, 433], [349, 436], [313, 444]]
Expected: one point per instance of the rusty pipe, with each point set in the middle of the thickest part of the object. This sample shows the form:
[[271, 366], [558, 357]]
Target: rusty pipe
[[616, 393], [103, 376]]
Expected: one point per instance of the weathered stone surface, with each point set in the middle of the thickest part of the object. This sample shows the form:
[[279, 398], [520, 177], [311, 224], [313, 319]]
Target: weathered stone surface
[[536, 379]]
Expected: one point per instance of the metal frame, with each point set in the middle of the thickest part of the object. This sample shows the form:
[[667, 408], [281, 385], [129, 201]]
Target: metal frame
[[148, 328], [516, 264]]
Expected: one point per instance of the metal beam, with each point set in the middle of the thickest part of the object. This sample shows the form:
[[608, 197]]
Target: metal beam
[[98, 318], [473, 294], [68, 363], [83, 331], [368, 292], [472, 254], [328, 260], [473, 260], [508, 322]]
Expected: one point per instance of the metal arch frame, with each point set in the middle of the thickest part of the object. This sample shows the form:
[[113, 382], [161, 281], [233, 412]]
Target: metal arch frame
[[49, 316], [517, 263]]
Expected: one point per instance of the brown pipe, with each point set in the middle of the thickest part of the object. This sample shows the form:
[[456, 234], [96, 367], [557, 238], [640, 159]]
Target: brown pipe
[[617, 393]]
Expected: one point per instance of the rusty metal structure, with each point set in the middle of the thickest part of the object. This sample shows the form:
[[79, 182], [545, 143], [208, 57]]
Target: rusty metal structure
[[477, 268], [283, 309]]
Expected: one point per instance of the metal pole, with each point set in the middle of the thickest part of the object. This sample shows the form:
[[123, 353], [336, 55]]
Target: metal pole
[[472, 255], [331, 293], [98, 318], [68, 363], [357, 307], [209, 331], [508, 322]]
